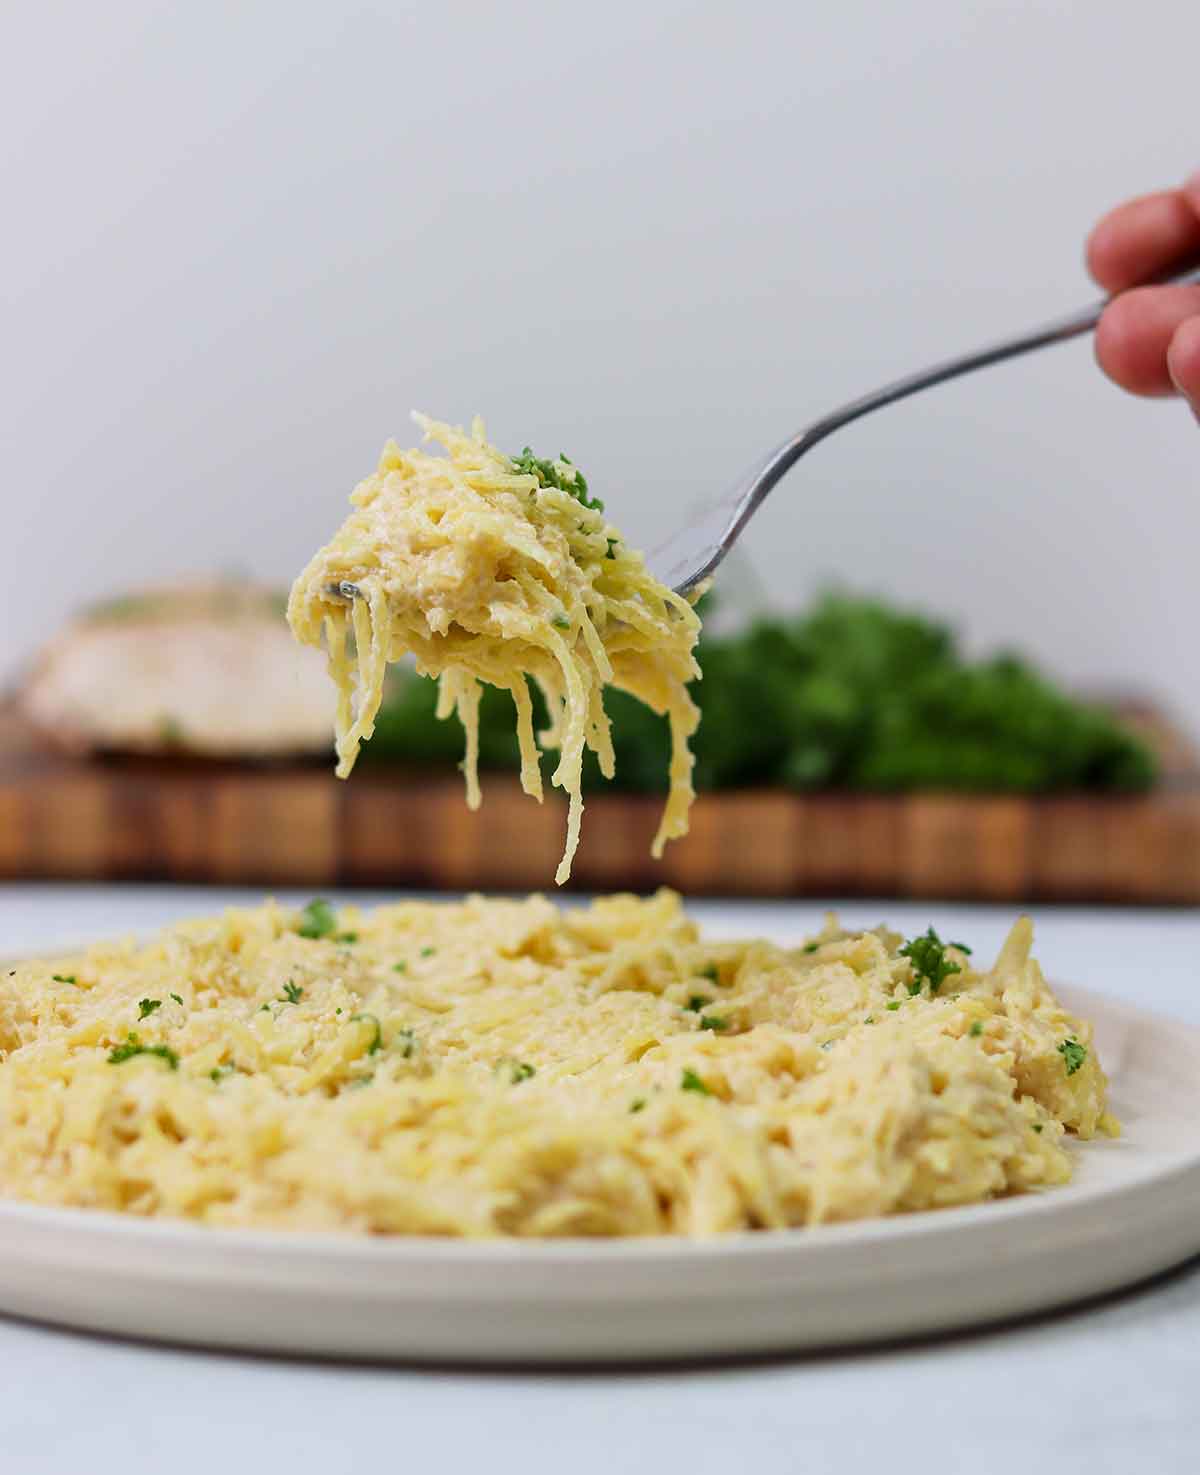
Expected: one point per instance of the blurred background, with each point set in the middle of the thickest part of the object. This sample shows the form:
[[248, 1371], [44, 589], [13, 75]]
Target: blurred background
[[243, 241]]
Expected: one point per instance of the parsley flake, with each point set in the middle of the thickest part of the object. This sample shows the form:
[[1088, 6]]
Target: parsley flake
[[132, 1046], [810, 947], [560, 622], [563, 474], [62, 978], [696, 1002], [927, 954], [292, 993], [518, 1071], [895, 1004], [317, 920], [1073, 1054], [428, 952], [177, 999], [346, 937], [399, 967], [637, 1104], [1037, 1127], [146, 1007], [976, 1028], [690, 1081], [405, 1041], [716, 1022], [219, 1072]]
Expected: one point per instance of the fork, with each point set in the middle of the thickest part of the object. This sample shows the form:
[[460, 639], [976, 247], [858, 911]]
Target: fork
[[694, 552]]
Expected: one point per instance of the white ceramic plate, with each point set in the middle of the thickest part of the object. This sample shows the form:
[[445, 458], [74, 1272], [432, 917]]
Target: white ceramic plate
[[1133, 1209]]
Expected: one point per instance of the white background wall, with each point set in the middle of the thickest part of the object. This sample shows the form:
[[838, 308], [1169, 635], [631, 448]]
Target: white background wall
[[241, 240]]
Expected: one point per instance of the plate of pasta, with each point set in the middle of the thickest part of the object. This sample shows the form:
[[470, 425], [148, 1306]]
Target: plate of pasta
[[499, 1130]]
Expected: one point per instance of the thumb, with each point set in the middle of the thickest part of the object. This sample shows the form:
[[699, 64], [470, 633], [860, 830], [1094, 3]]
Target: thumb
[[1183, 362]]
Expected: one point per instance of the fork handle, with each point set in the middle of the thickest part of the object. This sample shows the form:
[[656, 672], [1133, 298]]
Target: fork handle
[[781, 460], [1058, 330]]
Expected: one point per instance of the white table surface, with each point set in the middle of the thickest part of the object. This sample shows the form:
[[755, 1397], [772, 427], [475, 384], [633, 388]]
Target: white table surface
[[1106, 1388]]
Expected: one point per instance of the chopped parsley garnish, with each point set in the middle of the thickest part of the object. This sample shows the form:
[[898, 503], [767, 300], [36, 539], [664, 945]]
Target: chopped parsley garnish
[[927, 954], [146, 1007], [132, 1046], [560, 622], [563, 474], [612, 544], [716, 1022], [176, 997], [399, 967], [377, 1038], [895, 1004], [406, 1042], [711, 973], [696, 1003], [637, 1104], [219, 1072], [690, 1081], [960, 947], [62, 978], [292, 993], [346, 937], [1037, 1127], [811, 947], [1073, 1054], [428, 952], [317, 920], [518, 1071], [870, 1019], [976, 1028]]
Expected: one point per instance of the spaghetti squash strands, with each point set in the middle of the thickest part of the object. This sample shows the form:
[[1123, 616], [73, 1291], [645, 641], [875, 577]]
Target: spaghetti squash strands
[[501, 1068], [488, 569]]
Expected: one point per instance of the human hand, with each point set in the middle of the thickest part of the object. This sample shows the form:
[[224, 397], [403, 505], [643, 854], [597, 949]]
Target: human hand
[[1148, 340]]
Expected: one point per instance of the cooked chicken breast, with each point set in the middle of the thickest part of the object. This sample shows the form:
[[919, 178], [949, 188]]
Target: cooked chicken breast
[[209, 670]]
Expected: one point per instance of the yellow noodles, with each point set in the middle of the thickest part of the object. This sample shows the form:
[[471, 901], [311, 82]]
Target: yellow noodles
[[485, 573], [503, 1068]]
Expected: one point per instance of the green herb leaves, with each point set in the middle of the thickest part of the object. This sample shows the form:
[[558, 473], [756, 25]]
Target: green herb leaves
[[132, 1046], [690, 1081], [65, 978], [517, 1070], [317, 920], [716, 1022], [291, 993], [177, 999], [927, 954], [146, 1007], [563, 474], [1073, 1054]]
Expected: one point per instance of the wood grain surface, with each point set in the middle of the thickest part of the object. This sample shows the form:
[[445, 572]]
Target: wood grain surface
[[180, 820]]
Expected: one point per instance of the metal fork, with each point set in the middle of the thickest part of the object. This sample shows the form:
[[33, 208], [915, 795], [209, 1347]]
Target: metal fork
[[695, 551]]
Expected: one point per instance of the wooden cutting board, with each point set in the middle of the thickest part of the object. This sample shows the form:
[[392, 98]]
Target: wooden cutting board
[[296, 824]]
